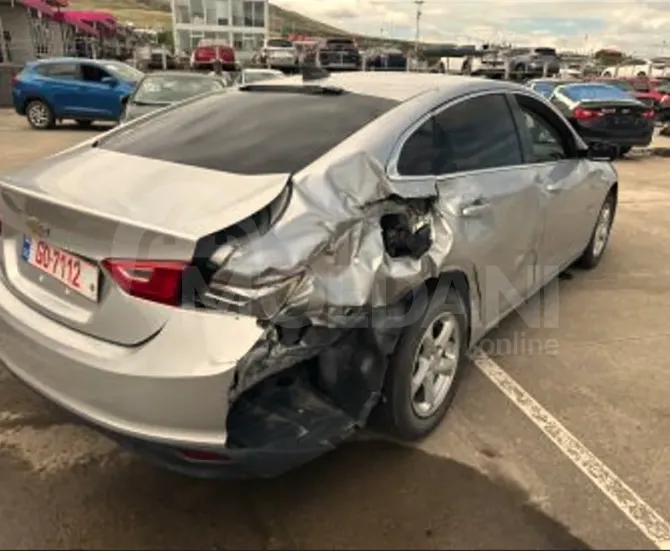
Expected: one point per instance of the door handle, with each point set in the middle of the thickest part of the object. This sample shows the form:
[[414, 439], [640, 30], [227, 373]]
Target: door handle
[[475, 208]]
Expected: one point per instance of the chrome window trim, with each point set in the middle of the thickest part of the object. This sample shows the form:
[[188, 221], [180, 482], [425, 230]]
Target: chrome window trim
[[392, 165]]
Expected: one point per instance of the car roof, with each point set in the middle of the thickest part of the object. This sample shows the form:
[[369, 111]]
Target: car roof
[[402, 86], [73, 60]]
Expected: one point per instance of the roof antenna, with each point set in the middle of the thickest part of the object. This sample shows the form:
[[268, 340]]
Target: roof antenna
[[311, 72]]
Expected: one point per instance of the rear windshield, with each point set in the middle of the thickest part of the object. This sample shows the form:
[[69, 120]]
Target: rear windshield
[[586, 92], [172, 88], [250, 132], [622, 85], [340, 42], [278, 43]]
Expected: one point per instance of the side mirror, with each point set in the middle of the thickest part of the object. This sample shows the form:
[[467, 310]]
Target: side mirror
[[110, 81], [600, 151]]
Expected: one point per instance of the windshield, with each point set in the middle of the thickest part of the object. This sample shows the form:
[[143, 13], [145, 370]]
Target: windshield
[[545, 51], [258, 76], [172, 88], [545, 88], [123, 71], [586, 92], [277, 43]]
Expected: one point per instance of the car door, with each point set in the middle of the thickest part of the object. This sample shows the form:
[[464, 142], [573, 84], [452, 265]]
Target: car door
[[488, 197], [565, 180], [61, 85], [102, 99]]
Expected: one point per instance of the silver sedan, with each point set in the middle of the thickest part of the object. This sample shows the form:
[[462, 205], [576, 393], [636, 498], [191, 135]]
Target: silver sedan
[[233, 285]]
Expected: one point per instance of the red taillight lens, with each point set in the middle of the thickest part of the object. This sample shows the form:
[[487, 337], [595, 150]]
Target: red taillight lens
[[580, 113], [154, 280], [649, 114]]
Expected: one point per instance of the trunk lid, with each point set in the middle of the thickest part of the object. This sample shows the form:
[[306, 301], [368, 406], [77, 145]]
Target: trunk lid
[[97, 204], [620, 116]]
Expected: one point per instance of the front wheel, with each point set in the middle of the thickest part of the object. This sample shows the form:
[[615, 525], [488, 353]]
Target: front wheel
[[595, 249], [39, 115], [425, 369]]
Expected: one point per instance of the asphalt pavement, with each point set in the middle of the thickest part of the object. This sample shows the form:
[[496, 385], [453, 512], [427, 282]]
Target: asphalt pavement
[[557, 438]]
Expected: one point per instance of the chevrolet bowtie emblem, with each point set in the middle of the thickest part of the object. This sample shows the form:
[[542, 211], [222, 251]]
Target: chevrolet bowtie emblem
[[37, 228]]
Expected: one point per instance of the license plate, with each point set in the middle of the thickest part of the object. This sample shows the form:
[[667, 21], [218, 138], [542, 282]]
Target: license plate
[[619, 121], [76, 274]]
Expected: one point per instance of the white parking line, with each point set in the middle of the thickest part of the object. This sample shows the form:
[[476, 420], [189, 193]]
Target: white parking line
[[650, 523]]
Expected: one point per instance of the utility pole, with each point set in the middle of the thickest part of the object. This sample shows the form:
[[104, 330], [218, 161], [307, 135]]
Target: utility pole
[[419, 5]]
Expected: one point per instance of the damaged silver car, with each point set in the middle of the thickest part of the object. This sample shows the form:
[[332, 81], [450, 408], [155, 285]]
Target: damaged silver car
[[234, 285]]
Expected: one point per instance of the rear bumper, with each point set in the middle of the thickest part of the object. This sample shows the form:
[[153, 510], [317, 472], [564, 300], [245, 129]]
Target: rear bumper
[[170, 396], [171, 390], [637, 139]]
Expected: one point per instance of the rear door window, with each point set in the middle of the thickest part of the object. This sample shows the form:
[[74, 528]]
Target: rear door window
[[474, 134], [250, 132], [62, 71]]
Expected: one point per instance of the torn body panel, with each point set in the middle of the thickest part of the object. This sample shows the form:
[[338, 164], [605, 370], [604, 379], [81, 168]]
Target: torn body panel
[[333, 280]]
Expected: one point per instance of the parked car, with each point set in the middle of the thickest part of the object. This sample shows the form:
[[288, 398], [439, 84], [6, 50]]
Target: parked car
[[546, 86], [240, 292], [606, 114], [638, 67], [249, 76], [158, 90], [158, 57], [278, 53], [532, 61], [51, 90], [386, 59], [208, 51], [336, 54]]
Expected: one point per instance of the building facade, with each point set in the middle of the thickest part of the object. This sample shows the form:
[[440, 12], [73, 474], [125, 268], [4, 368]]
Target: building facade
[[242, 24]]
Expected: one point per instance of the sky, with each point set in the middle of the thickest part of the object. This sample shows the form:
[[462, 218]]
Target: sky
[[639, 27]]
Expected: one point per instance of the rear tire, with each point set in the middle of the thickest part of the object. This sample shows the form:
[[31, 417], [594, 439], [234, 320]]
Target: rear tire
[[40, 116], [597, 245], [419, 390]]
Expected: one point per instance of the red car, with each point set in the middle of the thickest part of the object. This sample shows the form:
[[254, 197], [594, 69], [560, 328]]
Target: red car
[[653, 92], [208, 51]]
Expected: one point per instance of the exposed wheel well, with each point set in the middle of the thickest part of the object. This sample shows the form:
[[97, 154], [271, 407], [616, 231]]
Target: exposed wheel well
[[459, 282], [614, 190]]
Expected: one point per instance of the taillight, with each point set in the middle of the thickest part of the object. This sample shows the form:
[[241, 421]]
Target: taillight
[[203, 456], [14, 81], [154, 280], [580, 113], [649, 114]]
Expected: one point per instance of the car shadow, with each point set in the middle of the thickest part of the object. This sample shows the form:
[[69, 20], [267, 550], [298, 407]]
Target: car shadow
[[369, 495]]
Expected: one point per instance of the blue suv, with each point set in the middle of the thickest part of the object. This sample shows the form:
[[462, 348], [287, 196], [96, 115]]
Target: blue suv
[[86, 90]]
